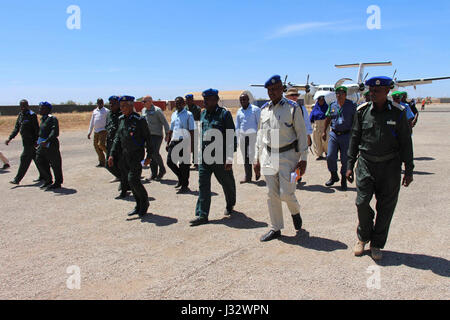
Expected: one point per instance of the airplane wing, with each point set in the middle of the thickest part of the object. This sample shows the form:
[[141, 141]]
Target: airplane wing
[[257, 85], [300, 87], [415, 82]]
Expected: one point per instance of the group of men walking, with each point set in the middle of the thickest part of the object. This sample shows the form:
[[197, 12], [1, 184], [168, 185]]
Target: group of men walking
[[40, 143], [274, 139]]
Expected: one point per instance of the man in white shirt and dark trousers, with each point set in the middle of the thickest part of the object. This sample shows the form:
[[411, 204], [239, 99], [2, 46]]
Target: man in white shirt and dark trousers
[[98, 124], [181, 132], [247, 121]]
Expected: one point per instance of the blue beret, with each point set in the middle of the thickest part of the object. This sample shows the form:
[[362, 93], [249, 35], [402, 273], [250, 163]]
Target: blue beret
[[45, 104], [379, 82], [189, 96], [210, 93], [126, 98], [114, 98], [273, 80]]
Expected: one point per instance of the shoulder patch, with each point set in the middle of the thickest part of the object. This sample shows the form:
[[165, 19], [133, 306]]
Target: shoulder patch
[[265, 105], [398, 106], [292, 103], [363, 106]]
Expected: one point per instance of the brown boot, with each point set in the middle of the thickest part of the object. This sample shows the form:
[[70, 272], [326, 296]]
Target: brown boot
[[376, 253], [358, 250]]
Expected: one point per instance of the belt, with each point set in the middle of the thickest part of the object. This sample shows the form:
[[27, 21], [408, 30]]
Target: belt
[[386, 157], [340, 133], [291, 146]]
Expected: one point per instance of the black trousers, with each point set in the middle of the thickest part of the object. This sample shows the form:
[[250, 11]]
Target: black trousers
[[28, 155], [115, 169], [381, 179], [247, 163], [47, 158], [157, 161], [182, 171], [132, 170]]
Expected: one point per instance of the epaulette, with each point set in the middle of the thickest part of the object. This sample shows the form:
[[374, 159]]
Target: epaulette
[[292, 103], [398, 106], [265, 105], [364, 105]]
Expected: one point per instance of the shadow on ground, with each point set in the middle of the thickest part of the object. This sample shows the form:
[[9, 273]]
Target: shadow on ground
[[157, 220], [238, 220], [63, 191], [424, 159], [317, 188], [437, 265], [303, 239]]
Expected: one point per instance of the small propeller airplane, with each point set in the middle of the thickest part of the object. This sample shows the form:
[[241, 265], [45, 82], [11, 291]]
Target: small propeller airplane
[[354, 90]]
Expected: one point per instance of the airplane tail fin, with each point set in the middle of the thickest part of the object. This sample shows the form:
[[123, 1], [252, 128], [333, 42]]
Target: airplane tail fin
[[362, 65]]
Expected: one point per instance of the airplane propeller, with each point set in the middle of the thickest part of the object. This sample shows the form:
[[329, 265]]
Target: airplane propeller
[[362, 86], [284, 84], [307, 87]]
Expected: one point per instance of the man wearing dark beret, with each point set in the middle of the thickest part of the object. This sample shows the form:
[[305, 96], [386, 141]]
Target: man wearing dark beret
[[28, 126], [47, 153], [380, 142], [215, 120], [132, 138], [112, 125]]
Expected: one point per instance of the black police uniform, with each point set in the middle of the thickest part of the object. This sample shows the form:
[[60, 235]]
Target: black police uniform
[[49, 156], [219, 119], [112, 124], [132, 138], [383, 141], [28, 126]]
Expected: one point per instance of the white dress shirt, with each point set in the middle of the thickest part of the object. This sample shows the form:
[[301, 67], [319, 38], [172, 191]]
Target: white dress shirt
[[247, 120], [98, 120]]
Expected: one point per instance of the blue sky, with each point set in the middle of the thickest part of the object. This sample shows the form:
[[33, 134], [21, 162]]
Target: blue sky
[[167, 49]]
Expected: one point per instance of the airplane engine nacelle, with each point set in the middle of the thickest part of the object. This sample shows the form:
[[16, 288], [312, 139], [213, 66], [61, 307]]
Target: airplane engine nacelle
[[362, 87]]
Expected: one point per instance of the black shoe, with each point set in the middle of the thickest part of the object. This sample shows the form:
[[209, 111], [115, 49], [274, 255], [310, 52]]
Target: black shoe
[[270, 235], [54, 186], [100, 165], [228, 212], [198, 221], [178, 185], [144, 209], [122, 195], [5, 166], [135, 211], [153, 177], [160, 176], [297, 219], [45, 185], [14, 182], [38, 179], [334, 178], [344, 184], [183, 190]]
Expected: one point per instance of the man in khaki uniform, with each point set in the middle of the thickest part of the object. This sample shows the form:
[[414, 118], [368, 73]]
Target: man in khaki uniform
[[281, 148]]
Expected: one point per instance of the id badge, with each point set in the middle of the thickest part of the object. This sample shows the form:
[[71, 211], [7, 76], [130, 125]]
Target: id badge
[[340, 120]]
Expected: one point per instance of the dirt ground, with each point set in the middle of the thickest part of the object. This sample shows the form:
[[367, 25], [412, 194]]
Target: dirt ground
[[161, 257]]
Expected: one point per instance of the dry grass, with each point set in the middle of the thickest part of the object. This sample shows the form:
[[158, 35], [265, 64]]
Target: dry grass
[[70, 121]]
